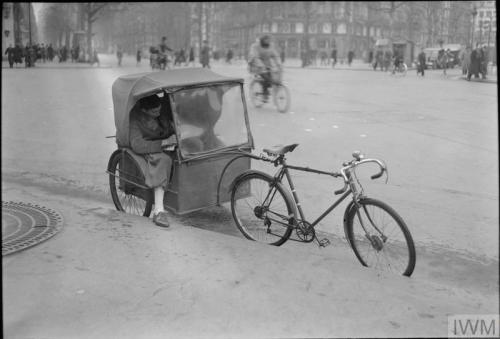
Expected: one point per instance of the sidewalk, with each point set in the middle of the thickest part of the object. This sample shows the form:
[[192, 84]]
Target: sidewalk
[[113, 275]]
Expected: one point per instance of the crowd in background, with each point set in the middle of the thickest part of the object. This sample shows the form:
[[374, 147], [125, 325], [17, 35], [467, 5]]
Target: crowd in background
[[36, 53]]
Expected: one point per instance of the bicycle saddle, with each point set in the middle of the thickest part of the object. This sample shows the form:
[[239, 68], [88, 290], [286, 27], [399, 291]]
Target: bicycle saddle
[[280, 149]]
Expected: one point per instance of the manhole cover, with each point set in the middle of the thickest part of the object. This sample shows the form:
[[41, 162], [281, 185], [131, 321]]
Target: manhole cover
[[25, 225]]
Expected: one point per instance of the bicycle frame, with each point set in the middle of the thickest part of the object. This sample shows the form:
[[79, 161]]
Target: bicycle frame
[[284, 172]]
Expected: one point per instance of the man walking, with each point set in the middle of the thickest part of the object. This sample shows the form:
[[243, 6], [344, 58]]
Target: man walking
[[10, 55], [205, 55], [421, 62]]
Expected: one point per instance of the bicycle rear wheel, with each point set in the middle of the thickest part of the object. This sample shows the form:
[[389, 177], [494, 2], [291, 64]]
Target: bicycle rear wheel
[[256, 93], [262, 209], [281, 96], [126, 196], [389, 246]]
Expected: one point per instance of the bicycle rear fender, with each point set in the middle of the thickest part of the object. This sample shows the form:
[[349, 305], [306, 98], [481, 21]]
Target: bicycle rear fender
[[247, 173]]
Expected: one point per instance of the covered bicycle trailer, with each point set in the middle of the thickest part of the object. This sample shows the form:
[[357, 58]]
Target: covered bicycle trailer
[[211, 127]]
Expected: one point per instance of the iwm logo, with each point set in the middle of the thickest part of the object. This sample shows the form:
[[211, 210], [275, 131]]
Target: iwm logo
[[473, 326]]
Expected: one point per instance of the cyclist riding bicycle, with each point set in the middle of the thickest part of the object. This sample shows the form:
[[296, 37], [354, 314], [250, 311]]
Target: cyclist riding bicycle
[[162, 52], [398, 60], [264, 60]]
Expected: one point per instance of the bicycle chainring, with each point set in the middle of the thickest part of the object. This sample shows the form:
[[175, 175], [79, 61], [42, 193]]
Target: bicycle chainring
[[305, 231]]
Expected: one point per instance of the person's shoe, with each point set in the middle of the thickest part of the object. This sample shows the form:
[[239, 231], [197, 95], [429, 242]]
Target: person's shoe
[[161, 219]]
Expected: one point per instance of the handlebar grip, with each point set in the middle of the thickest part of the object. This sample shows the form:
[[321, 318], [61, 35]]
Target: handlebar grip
[[378, 175], [340, 191]]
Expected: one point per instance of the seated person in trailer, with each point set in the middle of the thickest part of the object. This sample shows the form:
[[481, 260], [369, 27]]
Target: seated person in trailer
[[148, 131]]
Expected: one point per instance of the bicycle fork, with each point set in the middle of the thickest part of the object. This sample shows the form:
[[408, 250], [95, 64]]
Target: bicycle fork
[[376, 241]]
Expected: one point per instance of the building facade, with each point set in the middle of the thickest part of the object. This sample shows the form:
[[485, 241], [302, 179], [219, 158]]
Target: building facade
[[485, 23]]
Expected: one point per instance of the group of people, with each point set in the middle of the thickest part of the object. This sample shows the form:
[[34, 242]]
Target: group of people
[[31, 54], [475, 62]]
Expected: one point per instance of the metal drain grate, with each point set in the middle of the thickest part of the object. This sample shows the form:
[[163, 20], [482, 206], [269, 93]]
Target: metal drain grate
[[25, 225]]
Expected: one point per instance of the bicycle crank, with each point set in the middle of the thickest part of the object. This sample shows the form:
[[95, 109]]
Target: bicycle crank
[[305, 232]]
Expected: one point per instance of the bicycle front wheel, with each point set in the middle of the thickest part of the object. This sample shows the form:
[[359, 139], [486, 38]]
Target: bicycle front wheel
[[385, 242], [262, 209], [281, 96]]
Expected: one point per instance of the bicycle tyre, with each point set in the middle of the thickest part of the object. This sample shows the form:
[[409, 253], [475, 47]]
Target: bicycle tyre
[[361, 245], [259, 223], [281, 97], [129, 203], [256, 93]]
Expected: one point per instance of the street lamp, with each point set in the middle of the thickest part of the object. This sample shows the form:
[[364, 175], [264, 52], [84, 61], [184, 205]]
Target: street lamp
[[474, 13]]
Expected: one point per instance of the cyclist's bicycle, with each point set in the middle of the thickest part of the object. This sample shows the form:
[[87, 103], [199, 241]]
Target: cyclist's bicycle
[[265, 211], [400, 70], [280, 93]]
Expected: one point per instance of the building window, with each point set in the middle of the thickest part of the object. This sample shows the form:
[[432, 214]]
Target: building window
[[341, 28], [299, 27], [285, 27], [265, 28], [6, 11], [313, 28], [274, 27], [327, 28]]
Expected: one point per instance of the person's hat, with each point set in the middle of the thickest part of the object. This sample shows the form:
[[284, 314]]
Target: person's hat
[[149, 102]]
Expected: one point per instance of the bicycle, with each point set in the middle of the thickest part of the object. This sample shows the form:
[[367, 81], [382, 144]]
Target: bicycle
[[280, 93], [265, 211], [401, 69]]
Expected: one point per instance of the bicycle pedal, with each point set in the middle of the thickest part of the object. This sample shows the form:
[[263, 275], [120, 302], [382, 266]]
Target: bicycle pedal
[[324, 242]]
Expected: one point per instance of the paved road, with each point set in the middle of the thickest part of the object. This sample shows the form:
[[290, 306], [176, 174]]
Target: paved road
[[438, 135]]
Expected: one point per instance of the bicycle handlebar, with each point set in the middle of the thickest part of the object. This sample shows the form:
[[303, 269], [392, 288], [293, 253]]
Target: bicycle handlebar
[[354, 163], [346, 167]]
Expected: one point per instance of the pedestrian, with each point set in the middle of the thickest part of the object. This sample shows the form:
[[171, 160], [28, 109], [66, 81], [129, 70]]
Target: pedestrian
[[10, 51], [324, 58], [421, 62], [465, 60], [334, 57], [95, 59], [282, 55], [483, 61], [50, 52], [182, 56], [18, 54], [119, 55], [475, 63], [370, 57], [205, 55], [138, 57], [229, 56], [191, 57], [350, 57], [149, 128]]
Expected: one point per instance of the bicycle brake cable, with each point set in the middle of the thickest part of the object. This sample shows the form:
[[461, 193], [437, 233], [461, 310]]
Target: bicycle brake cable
[[359, 183]]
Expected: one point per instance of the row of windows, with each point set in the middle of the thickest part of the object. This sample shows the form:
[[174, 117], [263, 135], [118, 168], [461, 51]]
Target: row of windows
[[488, 14], [326, 28]]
